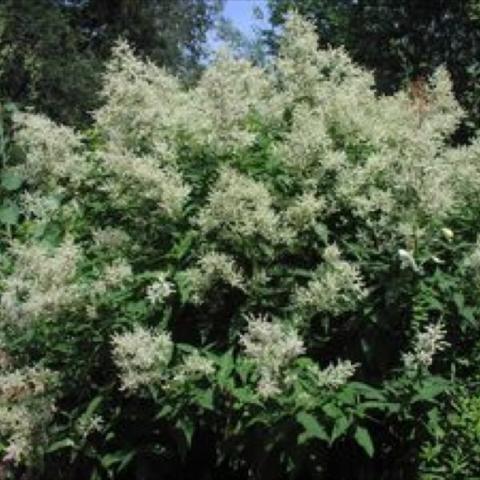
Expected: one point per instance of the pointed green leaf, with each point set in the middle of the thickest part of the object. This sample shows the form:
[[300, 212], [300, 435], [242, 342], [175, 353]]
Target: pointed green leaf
[[312, 428], [61, 444], [339, 428], [93, 405], [205, 399], [187, 427], [364, 440]]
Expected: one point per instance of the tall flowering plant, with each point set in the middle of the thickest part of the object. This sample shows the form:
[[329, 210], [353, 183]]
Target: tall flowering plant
[[252, 268]]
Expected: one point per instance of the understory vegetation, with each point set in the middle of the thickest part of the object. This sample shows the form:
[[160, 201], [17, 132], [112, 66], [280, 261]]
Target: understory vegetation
[[272, 274]]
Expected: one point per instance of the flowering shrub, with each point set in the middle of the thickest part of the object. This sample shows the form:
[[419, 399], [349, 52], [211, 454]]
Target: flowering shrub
[[252, 276]]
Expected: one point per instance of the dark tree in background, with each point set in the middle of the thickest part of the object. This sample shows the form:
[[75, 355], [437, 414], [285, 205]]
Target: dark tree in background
[[170, 32], [403, 40], [52, 51]]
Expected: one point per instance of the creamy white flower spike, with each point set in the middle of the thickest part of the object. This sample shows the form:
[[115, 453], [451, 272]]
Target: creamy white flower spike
[[39, 206], [272, 347], [212, 268], [305, 211], [334, 375], [26, 407], [427, 343], [42, 283], [336, 286], [110, 238], [142, 357], [239, 208], [230, 93], [194, 366], [53, 152], [143, 105], [143, 178], [160, 290]]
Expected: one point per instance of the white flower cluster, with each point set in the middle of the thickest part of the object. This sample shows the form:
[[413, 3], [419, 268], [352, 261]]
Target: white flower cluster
[[142, 357], [427, 343], [211, 268], [53, 152], [272, 347], [465, 177], [42, 282], [145, 178], [402, 166], [39, 206], [304, 211], [336, 287], [239, 208], [110, 238], [214, 114], [114, 275], [403, 175], [229, 93], [117, 273], [298, 59], [5, 360], [21, 384], [159, 290], [25, 409], [308, 146], [194, 366], [401, 169], [142, 101], [334, 375]]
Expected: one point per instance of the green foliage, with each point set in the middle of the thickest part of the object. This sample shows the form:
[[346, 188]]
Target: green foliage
[[454, 450]]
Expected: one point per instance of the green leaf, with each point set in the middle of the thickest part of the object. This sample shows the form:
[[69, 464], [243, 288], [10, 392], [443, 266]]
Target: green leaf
[[205, 399], [164, 411], [364, 440], [9, 214], [389, 407], [181, 248], [429, 390], [467, 313], [339, 428], [93, 405], [226, 365], [183, 287], [187, 428], [61, 444], [367, 391], [120, 457], [125, 461], [459, 300], [332, 410], [312, 428], [244, 395], [11, 181]]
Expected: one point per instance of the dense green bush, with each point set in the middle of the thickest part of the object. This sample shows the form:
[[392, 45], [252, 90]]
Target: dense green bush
[[273, 274], [454, 450]]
